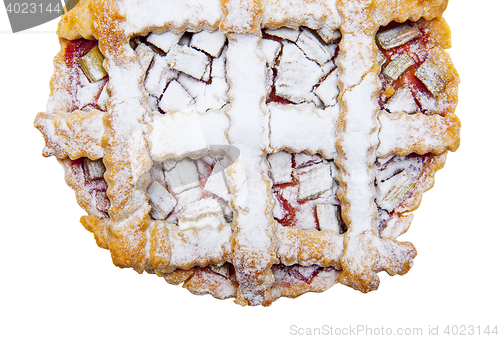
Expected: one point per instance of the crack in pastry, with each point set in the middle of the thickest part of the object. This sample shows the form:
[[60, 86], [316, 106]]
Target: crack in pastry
[[334, 116]]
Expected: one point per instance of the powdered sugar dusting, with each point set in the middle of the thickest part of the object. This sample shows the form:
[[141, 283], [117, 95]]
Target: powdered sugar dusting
[[303, 128], [181, 133], [192, 79], [248, 132], [179, 14], [419, 133], [294, 13]]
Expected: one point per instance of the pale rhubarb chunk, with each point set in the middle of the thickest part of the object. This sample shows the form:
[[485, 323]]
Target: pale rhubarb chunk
[[164, 41], [209, 42], [162, 202], [328, 217], [190, 61], [397, 36], [281, 167], [183, 176], [314, 180]]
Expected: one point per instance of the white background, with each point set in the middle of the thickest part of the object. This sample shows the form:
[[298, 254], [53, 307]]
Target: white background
[[56, 283]]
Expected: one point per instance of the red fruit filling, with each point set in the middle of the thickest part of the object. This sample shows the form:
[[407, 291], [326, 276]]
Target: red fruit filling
[[301, 182], [413, 167], [290, 274], [84, 94], [184, 183], [418, 50], [92, 183]]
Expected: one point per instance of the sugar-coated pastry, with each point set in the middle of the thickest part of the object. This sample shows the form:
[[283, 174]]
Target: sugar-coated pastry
[[253, 149]]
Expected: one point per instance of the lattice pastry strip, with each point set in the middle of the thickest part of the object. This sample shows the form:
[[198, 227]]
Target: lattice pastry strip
[[250, 149]]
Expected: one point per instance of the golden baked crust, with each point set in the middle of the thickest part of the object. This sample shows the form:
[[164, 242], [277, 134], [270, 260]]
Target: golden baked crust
[[78, 22], [402, 10], [75, 137], [119, 136]]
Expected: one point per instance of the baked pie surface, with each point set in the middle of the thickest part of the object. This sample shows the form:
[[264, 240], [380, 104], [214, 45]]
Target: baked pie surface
[[253, 149]]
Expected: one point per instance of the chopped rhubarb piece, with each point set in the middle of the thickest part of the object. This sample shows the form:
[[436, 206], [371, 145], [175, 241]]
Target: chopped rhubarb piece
[[158, 76], [313, 48], [175, 98], [228, 213], [209, 42], [329, 35], [92, 65], [222, 269], [328, 90], [390, 166], [101, 201], [190, 61], [381, 59], [398, 66], [296, 75], [402, 101], [164, 41], [397, 36], [304, 159], [168, 164], [162, 202], [328, 217], [93, 169], [281, 167], [392, 191], [156, 173], [183, 176], [314, 180], [77, 49], [271, 49], [431, 76], [145, 55], [195, 88], [103, 98]]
